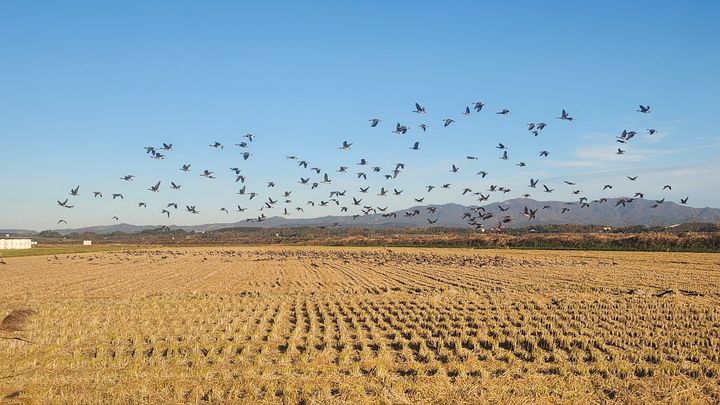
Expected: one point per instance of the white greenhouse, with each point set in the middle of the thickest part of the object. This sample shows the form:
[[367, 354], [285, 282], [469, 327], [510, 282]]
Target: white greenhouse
[[16, 243]]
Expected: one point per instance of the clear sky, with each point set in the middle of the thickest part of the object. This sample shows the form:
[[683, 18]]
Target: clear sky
[[84, 86]]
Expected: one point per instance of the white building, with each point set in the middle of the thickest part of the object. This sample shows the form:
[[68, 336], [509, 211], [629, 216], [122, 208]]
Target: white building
[[16, 243], [87, 243]]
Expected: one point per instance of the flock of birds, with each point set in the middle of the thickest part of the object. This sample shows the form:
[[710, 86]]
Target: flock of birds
[[476, 216]]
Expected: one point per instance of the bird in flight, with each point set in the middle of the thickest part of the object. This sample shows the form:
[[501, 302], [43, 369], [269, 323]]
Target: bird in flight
[[97, 194], [416, 146], [644, 109], [467, 112], [166, 212], [424, 127], [74, 191], [217, 145], [129, 177], [504, 111], [374, 122], [419, 109], [565, 116], [155, 188], [345, 145], [185, 168], [174, 186], [547, 190], [142, 204], [626, 136], [62, 221], [400, 129], [448, 121], [479, 106], [118, 195], [632, 178]]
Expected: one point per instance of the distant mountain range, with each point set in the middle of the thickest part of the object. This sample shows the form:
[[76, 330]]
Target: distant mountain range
[[639, 212]]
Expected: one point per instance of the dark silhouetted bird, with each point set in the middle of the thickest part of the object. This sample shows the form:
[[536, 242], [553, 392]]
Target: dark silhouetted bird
[[400, 129], [155, 188], [565, 116]]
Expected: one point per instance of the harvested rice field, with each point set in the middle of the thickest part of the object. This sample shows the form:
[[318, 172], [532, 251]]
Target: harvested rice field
[[360, 325]]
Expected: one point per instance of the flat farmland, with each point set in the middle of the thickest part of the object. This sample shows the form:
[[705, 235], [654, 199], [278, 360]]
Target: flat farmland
[[360, 325]]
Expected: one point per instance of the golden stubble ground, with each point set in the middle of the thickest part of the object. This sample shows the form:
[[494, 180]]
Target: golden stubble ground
[[361, 325]]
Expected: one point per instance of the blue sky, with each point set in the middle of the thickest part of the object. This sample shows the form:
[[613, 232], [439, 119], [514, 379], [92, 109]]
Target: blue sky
[[84, 86]]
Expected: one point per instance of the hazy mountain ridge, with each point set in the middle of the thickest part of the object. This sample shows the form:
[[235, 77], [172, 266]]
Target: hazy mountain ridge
[[639, 212]]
